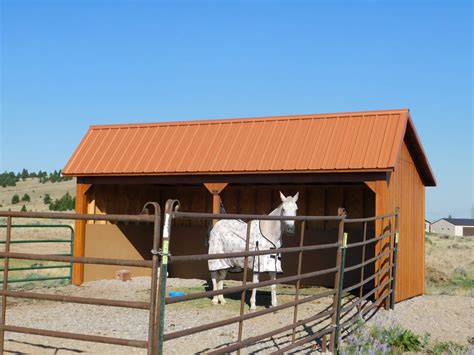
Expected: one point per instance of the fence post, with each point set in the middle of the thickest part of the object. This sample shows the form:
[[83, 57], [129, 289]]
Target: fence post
[[152, 336], [160, 314], [5, 284], [395, 255], [338, 282]]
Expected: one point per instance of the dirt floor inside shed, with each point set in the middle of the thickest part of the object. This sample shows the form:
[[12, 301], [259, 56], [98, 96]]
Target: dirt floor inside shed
[[446, 318]]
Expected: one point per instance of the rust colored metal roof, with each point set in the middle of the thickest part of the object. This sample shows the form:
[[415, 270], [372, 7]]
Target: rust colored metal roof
[[339, 142]]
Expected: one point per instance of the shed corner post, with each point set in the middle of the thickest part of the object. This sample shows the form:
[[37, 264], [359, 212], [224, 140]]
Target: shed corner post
[[80, 232], [215, 189], [381, 189]]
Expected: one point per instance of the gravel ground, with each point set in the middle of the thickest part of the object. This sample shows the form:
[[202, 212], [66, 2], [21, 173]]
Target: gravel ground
[[132, 324], [445, 317]]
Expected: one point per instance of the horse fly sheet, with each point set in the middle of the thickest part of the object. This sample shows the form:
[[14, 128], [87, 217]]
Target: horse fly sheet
[[228, 236]]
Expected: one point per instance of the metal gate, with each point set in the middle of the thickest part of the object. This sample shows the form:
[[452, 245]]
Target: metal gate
[[151, 343], [49, 241], [340, 312]]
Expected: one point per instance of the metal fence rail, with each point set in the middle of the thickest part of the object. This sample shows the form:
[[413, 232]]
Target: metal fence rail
[[334, 320], [150, 344], [338, 312], [68, 266]]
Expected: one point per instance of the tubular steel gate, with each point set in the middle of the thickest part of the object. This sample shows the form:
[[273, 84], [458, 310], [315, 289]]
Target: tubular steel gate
[[341, 314], [150, 344], [68, 266]]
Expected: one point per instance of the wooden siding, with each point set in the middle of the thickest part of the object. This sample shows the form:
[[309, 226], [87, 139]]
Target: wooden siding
[[406, 191]]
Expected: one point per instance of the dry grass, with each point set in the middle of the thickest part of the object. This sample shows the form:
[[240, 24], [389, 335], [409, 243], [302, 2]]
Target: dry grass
[[36, 191], [449, 265]]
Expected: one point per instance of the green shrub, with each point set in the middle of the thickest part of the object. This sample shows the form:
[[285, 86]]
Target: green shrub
[[23, 208], [403, 339], [65, 203], [47, 199], [381, 340], [26, 198], [15, 199], [447, 347]]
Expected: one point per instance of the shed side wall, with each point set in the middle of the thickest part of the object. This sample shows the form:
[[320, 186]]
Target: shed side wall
[[406, 191]]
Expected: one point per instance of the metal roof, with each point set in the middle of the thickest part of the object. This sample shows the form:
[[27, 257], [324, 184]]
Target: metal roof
[[338, 142], [459, 221]]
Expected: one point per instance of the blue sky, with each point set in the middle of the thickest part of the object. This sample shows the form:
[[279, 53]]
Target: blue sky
[[68, 64]]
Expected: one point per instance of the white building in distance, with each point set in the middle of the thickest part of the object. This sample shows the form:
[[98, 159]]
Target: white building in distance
[[427, 226], [454, 226]]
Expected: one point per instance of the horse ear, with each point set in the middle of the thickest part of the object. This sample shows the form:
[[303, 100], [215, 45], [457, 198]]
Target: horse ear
[[283, 198], [295, 198]]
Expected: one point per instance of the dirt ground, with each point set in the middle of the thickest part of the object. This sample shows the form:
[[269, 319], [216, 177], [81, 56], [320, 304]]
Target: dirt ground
[[132, 324], [445, 317]]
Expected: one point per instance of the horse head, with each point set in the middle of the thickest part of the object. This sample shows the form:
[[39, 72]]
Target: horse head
[[288, 208]]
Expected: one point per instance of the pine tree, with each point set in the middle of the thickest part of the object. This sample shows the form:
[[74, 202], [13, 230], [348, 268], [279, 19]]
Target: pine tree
[[65, 203], [15, 199], [23, 208], [26, 198], [24, 174], [47, 199]]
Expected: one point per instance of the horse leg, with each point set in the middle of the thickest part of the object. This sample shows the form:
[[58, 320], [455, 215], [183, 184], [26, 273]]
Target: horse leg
[[215, 300], [274, 296], [255, 279], [220, 285]]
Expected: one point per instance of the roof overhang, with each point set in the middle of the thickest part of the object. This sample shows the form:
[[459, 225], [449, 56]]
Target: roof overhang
[[418, 154]]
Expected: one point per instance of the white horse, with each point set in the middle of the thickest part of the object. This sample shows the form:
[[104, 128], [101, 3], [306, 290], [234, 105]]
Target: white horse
[[228, 236]]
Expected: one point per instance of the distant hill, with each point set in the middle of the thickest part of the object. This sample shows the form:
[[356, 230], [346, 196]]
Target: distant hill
[[36, 190]]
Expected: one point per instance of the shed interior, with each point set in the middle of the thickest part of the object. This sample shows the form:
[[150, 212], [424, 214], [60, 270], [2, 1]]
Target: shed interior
[[190, 236]]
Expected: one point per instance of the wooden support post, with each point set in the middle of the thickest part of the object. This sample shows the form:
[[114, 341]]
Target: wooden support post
[[80, 233], [380, 188], [215, 189]]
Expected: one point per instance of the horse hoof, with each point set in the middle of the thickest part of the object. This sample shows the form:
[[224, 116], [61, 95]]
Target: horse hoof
[[253, 308], [223, 301], [215, 302]]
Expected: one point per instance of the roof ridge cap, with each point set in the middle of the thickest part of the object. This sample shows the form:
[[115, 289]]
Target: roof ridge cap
[[248, 119]]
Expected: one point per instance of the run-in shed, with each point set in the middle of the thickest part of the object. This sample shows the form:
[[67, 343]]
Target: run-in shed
[[367, 162]]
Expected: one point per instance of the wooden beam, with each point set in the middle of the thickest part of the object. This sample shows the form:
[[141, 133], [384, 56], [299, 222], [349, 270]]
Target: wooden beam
[[371, 185], [215, 189], [80, 232], [288, 178]]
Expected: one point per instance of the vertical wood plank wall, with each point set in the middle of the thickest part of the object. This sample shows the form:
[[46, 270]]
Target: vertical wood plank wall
[[406, 191]]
